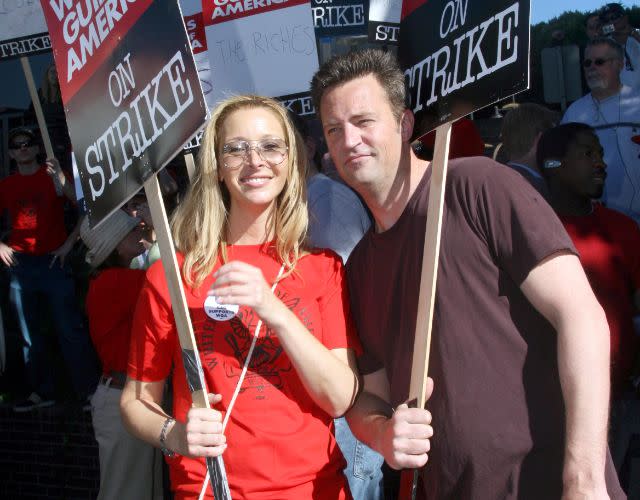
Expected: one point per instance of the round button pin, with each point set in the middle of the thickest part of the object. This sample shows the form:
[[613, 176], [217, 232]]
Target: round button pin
[[219, 312]]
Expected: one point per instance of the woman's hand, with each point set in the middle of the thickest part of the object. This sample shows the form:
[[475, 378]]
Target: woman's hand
[[240, 283], [202, 435]]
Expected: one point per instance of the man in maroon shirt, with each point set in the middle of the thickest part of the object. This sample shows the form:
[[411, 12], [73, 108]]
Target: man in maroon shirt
[[520, 348], [35, 257]]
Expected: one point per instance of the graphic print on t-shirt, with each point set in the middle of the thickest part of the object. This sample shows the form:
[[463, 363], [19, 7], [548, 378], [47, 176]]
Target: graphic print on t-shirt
[[28, 209], [224, 346]]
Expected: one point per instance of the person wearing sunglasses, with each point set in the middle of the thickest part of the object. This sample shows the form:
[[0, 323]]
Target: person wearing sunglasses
[[613, 110], [614, 23], [270, 316], [35, 256]]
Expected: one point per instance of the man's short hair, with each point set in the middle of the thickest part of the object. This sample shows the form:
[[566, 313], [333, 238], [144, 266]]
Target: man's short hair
[[15, 132], [612, 44], [555, 142], [344, 68], [595, 13], [521, 126]]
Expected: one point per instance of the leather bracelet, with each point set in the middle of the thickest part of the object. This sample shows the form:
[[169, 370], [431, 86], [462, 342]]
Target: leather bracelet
[[163, 437]]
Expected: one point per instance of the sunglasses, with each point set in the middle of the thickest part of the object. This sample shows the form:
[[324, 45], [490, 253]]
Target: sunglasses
[[598, 62], [22, 144]]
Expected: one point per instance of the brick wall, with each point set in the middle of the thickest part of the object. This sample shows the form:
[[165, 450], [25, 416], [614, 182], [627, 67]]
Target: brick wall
[[48, 454]]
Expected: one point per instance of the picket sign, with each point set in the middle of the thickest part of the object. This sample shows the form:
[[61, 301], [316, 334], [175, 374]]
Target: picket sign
[[190, 356], [191, 166], [42, 124], [428, 280]]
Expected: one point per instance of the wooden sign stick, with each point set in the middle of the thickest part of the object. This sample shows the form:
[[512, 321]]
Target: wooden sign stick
[[37, 107], [190, 356], [191, 166], [429, 274]]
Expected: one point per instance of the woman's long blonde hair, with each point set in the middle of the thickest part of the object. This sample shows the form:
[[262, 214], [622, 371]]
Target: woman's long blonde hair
[[200, 223]]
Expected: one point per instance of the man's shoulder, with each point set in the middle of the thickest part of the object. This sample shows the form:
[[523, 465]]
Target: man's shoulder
[[476, 170], [578, 110], [319, 186], [616, 219]]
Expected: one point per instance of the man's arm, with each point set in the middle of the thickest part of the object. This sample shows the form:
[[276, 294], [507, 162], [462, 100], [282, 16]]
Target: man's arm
[[63, 250], [559, 290], [400, 436]]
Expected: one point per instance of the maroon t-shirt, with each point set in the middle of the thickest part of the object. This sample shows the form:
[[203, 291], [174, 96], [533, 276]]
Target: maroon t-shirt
[[497, 407]]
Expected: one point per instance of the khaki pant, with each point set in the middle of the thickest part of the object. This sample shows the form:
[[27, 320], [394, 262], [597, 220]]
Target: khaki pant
[[129, 468]]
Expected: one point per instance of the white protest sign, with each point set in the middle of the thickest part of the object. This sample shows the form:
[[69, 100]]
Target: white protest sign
[[23, 30], [261, 50]]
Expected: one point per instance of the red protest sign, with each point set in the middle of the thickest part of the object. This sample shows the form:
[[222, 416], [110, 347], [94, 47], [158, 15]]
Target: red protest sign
[[83, 36]]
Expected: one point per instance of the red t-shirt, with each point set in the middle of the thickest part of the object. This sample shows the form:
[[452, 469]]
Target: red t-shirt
[[36, 211], [609, 246], [110, 305], [465, 140], [280, 443]]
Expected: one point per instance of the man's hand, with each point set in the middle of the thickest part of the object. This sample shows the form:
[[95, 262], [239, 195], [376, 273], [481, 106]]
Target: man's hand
[[55, 171], [6, 255], [61, 253], [405, 438]]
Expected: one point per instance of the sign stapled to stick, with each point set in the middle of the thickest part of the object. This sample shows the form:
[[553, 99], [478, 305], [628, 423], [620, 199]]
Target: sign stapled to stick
[[458, 56], [23, 30], [130, 89], [461, 55], [132, 100], [264, 47]]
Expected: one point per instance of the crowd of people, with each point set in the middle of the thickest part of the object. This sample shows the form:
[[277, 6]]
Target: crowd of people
[[306, 351]]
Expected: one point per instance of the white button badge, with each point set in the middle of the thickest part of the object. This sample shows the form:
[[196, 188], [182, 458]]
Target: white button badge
[[219, 312]]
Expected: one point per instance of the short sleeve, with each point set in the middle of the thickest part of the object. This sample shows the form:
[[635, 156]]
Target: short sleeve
[[519, 226], [338, 330], [153, 335]]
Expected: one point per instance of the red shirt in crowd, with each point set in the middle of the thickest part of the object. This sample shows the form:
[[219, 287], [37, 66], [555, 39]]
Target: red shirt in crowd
[[36, 212], [110, 305], [465, 140], [609, 246], [280, 443]]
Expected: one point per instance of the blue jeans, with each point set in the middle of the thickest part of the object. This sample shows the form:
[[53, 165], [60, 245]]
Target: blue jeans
[[31, 281], [363, 470]]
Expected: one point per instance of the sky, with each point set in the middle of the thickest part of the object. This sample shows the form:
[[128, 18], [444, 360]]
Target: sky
[[543, 10]]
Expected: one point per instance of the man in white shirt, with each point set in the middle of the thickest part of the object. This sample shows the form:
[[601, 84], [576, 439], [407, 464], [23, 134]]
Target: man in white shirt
[[613, 110], [615, 24]]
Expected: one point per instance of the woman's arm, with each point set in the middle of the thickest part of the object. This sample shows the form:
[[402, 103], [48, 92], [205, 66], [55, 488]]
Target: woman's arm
[[329, 376], [200, 436]]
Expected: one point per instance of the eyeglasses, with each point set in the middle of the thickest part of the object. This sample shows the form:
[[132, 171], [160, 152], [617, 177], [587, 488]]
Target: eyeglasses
[[272, 151], [22, 144], [598, 62]]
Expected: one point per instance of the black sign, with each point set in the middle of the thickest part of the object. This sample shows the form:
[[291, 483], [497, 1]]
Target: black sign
[[461, 55], [340, 17], [132, 105], [25, 46]]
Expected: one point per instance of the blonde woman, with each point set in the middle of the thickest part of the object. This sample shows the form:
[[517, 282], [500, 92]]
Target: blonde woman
[[240, 234]]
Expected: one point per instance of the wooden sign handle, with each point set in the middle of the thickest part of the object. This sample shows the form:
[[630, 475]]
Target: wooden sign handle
[[37, 107], [190, 356], [191, 166], [428, 280]]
